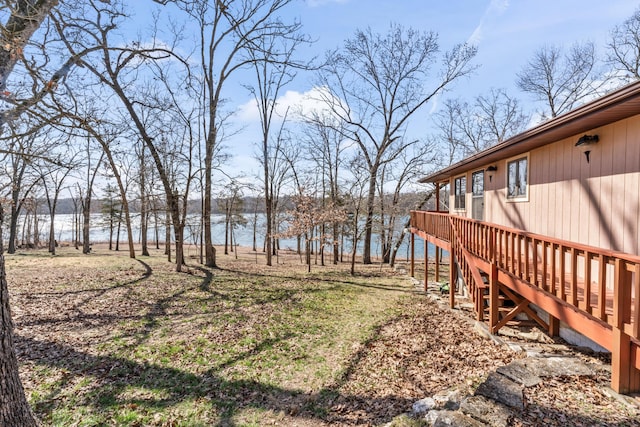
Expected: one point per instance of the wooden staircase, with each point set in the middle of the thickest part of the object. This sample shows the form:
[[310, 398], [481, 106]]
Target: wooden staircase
[[594, 291]]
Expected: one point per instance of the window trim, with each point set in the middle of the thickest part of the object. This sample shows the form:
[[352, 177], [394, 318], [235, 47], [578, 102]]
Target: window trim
[[479, 172], [455, 193], [525, 197]]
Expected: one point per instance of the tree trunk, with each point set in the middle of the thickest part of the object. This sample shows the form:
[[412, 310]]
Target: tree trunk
[[36, 229], [368, 230], [144, 226], [14, 408], [307, 252], [86, 212], [209, 251], [76, 221], [13, 228], [269, 241], [336, 254], [111, 231], [226, 228], [144, 221], [156, 226], [167, 234], [118, 234], [52, 232], [143, 206]]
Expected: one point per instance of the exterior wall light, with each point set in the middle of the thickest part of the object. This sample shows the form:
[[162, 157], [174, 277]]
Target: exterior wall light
[[586, 143], [491, 170]]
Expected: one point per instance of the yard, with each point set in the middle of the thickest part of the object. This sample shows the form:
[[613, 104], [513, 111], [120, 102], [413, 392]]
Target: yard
[[107, 340]]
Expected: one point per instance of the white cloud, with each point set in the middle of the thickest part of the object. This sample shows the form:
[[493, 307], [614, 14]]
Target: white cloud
[[495, 8], [293, 103]]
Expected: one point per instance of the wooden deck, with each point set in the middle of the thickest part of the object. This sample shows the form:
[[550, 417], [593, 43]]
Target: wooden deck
[[594, 291]]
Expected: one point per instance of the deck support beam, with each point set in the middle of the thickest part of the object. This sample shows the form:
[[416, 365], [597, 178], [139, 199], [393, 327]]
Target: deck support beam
[[494, 301], [412, 265], [453, 278], [625, 377], [437, 265], [426, 266]]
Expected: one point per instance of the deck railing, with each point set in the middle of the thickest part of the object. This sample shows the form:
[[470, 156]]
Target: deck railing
[[435, 224], [600, 283]]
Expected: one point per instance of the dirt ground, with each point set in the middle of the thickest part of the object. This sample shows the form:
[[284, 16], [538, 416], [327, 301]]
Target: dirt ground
[[95, 334]]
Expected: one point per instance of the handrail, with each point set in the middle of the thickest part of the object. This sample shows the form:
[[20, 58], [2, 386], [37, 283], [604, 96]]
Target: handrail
[[593, 280]]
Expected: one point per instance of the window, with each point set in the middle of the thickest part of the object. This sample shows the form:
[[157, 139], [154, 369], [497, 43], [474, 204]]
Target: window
[[460, 193], [477, 183], [517, 178]]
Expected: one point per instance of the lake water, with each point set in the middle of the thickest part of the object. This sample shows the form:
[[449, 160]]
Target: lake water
[[243, 235]]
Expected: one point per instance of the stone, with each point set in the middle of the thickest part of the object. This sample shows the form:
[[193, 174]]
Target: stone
[[487, 411], [503, 390], [423, 406], [405, 420], [431, 417], [449, 399], [517, 371], [455, 418], [556, 366]]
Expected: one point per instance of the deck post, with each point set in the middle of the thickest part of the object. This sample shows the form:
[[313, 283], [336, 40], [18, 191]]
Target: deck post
[[494, 292], [452, 280], [554, 326], [426, 266], [621, 368], [437, 266], [624, 376], [412, 265]]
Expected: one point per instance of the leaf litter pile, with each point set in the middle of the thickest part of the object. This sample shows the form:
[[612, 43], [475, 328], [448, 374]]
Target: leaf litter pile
[[106, 340]]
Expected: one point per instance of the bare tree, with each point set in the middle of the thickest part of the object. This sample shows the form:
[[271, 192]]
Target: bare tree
[[22, 151], [307, 215], [326, 145], [228, 30], [18, 25], [376, 84], [92, 169], [624, 47], [502, 115], [123, 69], [53, 179], [406, 169], [466, 129], [561, 79]]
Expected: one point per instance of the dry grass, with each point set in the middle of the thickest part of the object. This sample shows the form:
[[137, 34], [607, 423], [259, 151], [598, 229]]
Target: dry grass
[[107, 340]]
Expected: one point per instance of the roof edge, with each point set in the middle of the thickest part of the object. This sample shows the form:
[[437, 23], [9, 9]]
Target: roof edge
[[605, 102]]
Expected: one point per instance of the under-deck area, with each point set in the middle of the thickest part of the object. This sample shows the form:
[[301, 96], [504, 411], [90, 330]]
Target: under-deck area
[[508, 272]]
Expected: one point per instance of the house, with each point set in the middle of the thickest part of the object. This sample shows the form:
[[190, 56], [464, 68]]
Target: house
[[547, 224]]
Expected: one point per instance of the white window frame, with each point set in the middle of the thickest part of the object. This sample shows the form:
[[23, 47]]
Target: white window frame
[[455, 193], [525, 196]]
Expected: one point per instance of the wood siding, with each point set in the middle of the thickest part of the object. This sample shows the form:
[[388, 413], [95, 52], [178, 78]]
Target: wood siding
[[595, 203]]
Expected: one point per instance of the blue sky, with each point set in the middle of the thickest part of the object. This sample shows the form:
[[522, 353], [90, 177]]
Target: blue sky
[[507, 32]]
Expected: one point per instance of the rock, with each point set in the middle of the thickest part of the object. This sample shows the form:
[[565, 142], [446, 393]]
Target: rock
[[486, 411], [431, 417], [534, 335], [502, 390], [481, 330], [405, 420], [517, 371], [556, 366], [423, 406], [449, 399], [455, 418]]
